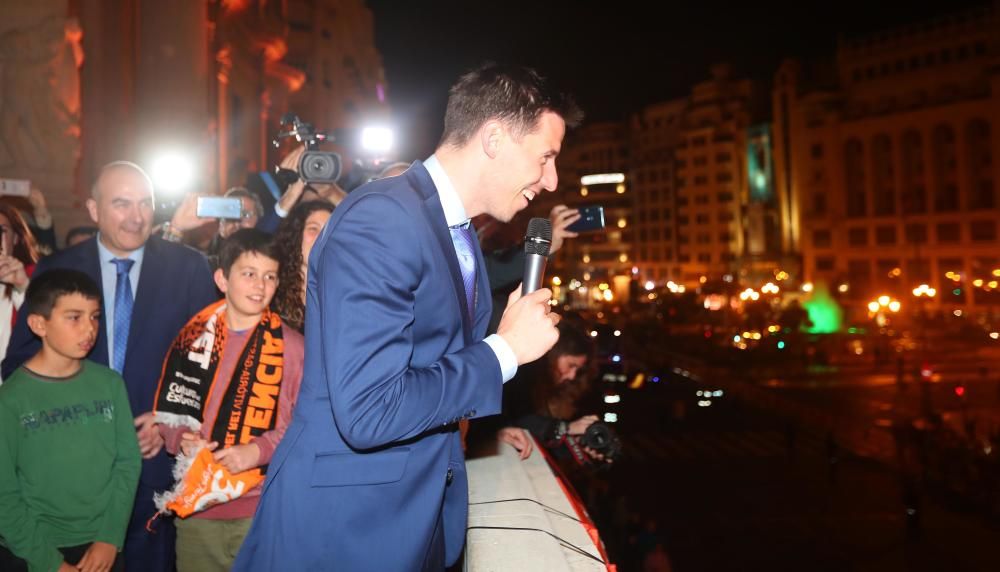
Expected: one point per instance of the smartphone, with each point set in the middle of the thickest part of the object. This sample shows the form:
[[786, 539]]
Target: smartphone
[[220, 207], [15, 187], [591, 218]]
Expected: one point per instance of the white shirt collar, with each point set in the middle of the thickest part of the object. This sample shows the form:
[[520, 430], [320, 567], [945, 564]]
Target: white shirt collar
[[106, 256], [454, 210]]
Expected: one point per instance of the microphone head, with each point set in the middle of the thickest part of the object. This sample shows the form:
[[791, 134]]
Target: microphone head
[[538, 239]]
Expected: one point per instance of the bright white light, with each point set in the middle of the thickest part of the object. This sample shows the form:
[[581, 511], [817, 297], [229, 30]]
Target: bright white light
[[612, 398], [376, 139], [172, 172], [705, 403], [593, 333], [995, 335], [807, 287], [611, 418], [618, 333], [957, 313], [602, 179], [894, 306], [649, 285], [616, 358], [717, 393]]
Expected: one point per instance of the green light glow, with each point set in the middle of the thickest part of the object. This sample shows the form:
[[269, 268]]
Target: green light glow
[[824, 313]]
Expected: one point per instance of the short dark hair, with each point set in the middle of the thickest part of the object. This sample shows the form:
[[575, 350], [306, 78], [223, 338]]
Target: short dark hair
[[87, 231], [245, 193], [243, 241], [46, 288], [513, 94]]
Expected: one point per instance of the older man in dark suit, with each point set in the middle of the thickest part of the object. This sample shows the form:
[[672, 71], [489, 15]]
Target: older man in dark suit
[[150, 289]]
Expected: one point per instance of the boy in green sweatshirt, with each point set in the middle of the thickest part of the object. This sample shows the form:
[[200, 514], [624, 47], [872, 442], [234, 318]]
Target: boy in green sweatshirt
[[69, 457]]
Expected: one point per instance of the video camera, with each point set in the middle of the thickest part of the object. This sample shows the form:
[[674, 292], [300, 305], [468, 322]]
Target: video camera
[[601, 439], [325, 167], [315, 166]]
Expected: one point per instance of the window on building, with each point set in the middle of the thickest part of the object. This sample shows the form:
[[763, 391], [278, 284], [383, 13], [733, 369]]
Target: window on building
[[822, 238], [701, 199], [857, 236], [726, 216], [703, 238], [701, 219], [944, 152], [983, 230], [705, 258], [819, 203], [979, 159], [723, 177], [885, 235], [698, 141], [700, 161], [859, 272], [725, 237], [854, 173], [723, 157], [949, 232], [883, 179], [916, 233], [914, 194], [824, 263], [724, 197], [701, 180], [816, 151]]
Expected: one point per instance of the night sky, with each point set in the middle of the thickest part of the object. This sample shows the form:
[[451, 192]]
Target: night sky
[[613, 61]]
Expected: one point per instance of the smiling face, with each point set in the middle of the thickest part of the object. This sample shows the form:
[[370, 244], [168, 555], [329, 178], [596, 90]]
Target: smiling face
[[122, 207], [248, 287], [524, 167]]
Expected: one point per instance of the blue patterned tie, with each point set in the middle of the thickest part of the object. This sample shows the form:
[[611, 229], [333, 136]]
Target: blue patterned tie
[[123, 311], [462, 236]]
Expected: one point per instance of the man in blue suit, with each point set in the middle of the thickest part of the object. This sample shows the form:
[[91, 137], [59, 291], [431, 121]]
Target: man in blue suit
[[370, 474], [150, 289]]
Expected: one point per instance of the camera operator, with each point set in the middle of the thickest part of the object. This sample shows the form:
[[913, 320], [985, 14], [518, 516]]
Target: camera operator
[[547, 398], [296, 192]]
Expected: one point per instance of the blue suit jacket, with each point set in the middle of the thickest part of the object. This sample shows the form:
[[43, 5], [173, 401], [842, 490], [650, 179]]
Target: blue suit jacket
[[174, 284], [393, 362]]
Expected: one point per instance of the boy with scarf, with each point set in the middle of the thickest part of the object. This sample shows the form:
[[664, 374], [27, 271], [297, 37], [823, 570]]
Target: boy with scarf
[[229, 385], [69, 457]]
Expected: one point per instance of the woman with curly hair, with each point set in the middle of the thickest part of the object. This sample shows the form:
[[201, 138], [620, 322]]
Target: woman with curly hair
[[18, 255], [294, 241]]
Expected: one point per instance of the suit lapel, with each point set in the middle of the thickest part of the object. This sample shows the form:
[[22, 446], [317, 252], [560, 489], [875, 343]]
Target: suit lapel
[[484, 298], [151, 279], [92, 266], [422, 182]]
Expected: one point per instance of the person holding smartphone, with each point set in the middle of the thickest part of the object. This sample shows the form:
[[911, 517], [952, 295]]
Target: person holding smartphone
[[18, 255]]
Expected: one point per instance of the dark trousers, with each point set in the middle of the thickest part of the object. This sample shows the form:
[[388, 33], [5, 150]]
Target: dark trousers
[[145, 550], [71, 554]]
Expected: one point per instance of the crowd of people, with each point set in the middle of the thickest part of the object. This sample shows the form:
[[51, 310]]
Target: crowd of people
[[154, 376]]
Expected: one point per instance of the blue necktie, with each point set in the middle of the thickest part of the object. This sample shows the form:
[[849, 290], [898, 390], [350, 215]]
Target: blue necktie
[[465, 246], [123, 311]]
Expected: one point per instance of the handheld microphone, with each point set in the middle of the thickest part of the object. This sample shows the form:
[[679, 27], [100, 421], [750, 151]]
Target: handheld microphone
[[537, 242]]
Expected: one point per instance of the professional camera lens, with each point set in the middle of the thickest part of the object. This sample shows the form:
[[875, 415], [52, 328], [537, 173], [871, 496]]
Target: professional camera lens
[[319, 167]]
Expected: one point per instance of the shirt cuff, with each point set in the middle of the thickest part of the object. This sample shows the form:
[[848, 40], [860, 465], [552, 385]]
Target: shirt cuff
[[505, 355], [282, 213]]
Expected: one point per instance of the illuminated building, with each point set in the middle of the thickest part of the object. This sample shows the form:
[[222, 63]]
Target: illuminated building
[[594, 149], [132, 79], [888, 166]]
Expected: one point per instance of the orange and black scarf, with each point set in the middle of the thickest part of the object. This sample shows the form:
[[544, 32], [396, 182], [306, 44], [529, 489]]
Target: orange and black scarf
[[250, 405]]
